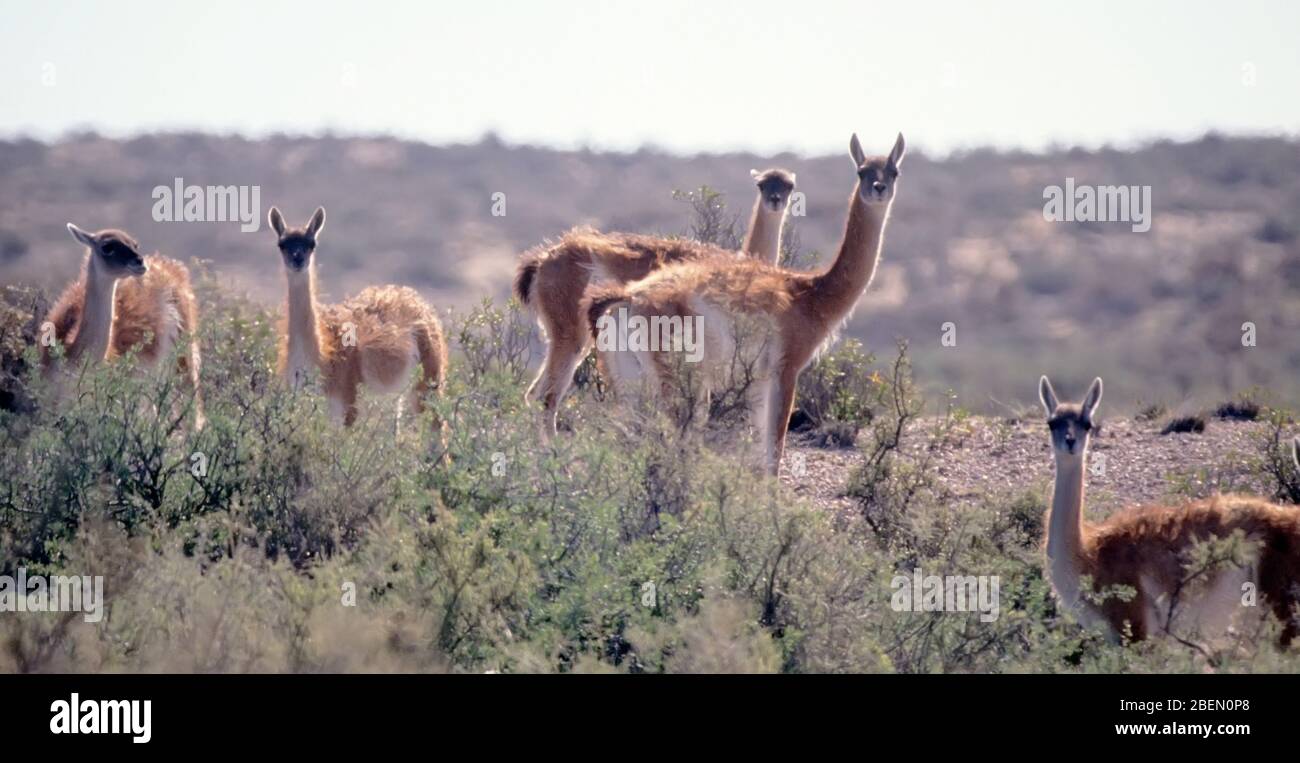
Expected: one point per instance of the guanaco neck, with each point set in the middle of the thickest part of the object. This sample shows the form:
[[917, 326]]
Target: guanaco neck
[[837, 290], [96, 325], [303, 338], [763, 241], [1065, 525]]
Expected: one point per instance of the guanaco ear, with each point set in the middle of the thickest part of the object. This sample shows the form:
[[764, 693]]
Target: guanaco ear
[[855, 151], [792, 179], [316, 222], [896, 153], [1295, 452], [276, 220], [1047, 395], [80, 235], [754, 174], [1091, 400]]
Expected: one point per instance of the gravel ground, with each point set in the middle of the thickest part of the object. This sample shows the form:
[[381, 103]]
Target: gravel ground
[[997, 457]]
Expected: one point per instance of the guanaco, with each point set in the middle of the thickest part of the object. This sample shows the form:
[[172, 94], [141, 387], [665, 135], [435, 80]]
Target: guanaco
[[376, 338], [124, 301], [551, 279], [1145, 548], [800, 313]]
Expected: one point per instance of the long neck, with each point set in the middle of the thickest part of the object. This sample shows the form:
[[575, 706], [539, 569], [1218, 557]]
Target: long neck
[[855, 265], [96, 326], [1065, 525], [763, 241], [303, 337]]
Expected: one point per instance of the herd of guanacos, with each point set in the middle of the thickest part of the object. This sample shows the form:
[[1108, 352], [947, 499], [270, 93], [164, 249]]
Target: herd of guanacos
[[124, 303]]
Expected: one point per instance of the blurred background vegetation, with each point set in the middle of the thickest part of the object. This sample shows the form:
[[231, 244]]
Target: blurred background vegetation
[[1159, 314]]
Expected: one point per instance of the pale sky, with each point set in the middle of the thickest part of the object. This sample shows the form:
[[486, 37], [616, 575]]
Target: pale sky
[[682, 75]]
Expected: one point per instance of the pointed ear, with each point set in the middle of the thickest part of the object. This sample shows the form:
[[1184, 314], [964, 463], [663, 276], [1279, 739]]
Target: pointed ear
[[316, 222], [896, 153], [1047, 395], [753, 174], [1295, 452], [1093, 397], [80, 235], [855, 151], [276, 220], [792, 177]]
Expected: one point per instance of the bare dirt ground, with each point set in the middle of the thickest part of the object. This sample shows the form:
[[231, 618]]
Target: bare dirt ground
[[991, 457]]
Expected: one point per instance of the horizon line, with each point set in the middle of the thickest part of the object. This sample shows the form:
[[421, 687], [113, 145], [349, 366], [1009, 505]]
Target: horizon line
[[492, 137]]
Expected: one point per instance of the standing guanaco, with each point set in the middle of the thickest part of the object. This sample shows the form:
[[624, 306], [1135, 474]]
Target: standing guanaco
[[376, 338], [551, 279], [124, 301], [1145, 548], [801, 312]]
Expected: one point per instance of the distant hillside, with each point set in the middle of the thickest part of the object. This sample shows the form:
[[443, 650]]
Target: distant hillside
[[1159, 314]]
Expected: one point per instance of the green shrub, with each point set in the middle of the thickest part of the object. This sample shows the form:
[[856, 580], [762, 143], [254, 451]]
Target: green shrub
[[838, 395], [1276, 455], [624, 545]]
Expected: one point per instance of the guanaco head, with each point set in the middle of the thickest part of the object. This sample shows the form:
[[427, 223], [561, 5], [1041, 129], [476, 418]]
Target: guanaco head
[[774, 187], [296, 244], [1070, 424], [877, 175], [111, 250]]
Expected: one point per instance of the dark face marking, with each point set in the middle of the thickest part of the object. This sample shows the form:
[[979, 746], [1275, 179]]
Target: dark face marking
[[876, 179], [1070, 429], [775, 191], [296, 248], [775, 187], [120, 254]]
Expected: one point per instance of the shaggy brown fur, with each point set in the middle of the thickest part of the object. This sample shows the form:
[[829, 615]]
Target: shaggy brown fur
[[1145, 547], [375, 338], [1140, 547], [552, 278], [802, 311], [114, 309]]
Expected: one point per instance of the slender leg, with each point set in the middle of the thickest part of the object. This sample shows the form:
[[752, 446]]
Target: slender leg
[[760, 392], [780, 403], [558, 286], [344, 406], [561, 362], [1277, 575], [194, 364]]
